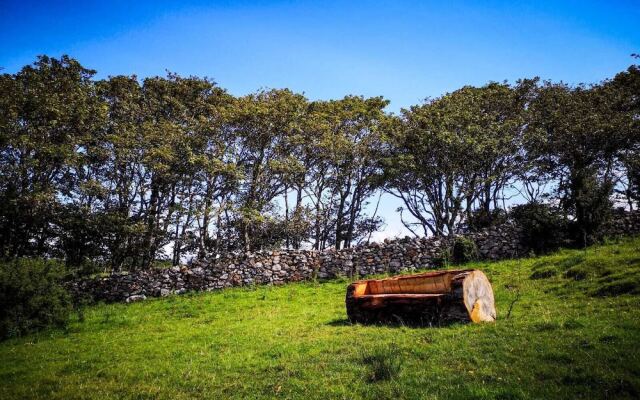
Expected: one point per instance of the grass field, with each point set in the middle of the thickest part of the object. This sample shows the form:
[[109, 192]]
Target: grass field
[[573, 332]]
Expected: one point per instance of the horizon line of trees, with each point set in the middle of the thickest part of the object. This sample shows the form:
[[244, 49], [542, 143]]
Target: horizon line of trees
[[110, 172]]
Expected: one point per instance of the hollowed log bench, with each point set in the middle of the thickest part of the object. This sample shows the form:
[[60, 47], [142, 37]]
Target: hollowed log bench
[[429, 298]]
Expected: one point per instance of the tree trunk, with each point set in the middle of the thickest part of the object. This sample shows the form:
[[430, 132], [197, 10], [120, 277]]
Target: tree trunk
[[148, 252], [286, 217], [423, 299], [204, 229]]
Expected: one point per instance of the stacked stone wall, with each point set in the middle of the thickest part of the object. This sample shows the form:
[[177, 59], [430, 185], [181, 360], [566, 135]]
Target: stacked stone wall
[[282, 266]]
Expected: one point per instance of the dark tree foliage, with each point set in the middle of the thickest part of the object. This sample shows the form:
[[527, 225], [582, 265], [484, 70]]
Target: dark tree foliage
[[463, 250], [627, 87], [544, 227], [49, 117], [581, 137]]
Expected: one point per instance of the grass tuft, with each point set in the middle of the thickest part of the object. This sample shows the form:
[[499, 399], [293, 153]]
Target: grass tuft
[[385, 363]]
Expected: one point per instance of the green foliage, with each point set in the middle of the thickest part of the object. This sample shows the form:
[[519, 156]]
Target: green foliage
[[627, 84], [463, 250], [348, 150], [578, 134], [592, 205], [544, 228], [631, 162], [48, 111], [113, 173], [294, 341], [32, 296], [456, 152]]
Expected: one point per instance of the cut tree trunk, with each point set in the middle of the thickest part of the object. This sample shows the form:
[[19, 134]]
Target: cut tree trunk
[[430, 298]]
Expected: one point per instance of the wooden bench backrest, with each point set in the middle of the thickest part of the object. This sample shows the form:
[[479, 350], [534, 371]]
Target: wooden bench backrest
[[440, 283]]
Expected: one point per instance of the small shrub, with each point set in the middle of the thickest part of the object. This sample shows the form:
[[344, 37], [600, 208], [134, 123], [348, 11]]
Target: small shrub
[[385, 363], [544, 228], [32, 296], [442, 259], [482, 219], [463, 250]]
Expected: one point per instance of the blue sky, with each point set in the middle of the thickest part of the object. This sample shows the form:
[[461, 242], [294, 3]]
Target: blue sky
[[405, 51]]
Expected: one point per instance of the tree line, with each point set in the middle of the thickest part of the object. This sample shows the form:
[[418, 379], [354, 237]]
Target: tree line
[[118, 172]]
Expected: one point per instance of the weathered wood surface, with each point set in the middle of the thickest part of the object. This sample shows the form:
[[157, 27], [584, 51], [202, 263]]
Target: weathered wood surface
[[430, 298]]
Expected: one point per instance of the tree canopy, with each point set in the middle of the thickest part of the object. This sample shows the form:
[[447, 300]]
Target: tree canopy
[[120, 172]]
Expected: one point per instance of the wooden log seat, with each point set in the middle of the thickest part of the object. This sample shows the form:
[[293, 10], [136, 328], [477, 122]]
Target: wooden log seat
[[429, 298]]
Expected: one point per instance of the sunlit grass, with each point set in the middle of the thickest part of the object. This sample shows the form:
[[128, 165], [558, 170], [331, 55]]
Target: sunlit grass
[[573, 332]]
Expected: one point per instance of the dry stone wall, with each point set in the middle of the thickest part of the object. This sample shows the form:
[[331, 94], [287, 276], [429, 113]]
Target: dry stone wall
[[245, 269], [281, 266]]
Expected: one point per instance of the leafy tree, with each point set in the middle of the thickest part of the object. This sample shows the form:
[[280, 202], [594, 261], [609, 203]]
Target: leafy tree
[[121, 172], [626, 85], [167, 166], [266, 124], [578, 135], [454, 154], [48, 115], [348, 145]]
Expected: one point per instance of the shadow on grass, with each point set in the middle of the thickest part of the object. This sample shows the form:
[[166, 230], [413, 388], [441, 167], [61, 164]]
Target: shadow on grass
[[339, 322], [398, 323]]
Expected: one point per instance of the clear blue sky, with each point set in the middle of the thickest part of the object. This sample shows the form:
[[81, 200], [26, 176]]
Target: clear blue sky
[[404, 51]]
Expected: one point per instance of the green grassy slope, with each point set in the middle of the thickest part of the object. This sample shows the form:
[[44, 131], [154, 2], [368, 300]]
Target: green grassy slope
[[574, 332]]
